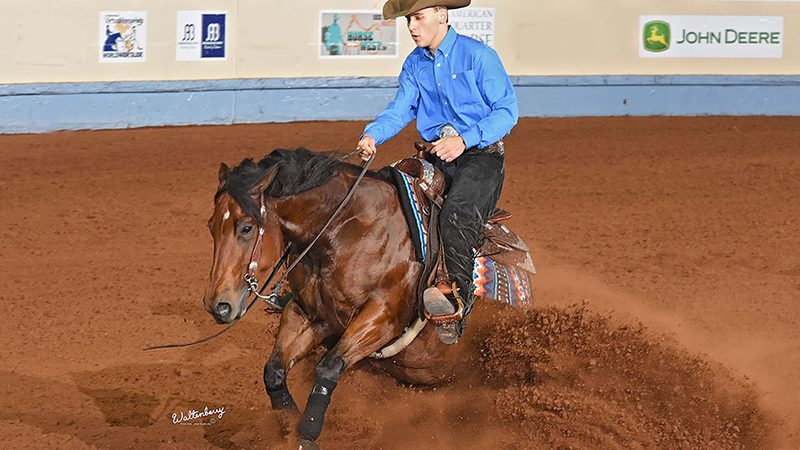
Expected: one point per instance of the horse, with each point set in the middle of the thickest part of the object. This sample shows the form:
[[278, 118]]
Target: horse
[[355, 290]]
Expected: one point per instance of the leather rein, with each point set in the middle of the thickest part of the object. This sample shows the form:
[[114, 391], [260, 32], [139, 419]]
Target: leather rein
[[250, 277]]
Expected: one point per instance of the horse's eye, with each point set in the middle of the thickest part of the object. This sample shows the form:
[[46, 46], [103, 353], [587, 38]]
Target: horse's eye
[[247, 229]]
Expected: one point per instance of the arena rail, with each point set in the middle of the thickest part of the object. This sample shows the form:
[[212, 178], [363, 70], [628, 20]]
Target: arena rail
[[46, 107]]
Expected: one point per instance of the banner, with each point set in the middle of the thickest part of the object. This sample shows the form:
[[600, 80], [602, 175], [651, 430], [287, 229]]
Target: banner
[[711, 36], [123, 36], [201, 35], [357, 34], [477, 23]]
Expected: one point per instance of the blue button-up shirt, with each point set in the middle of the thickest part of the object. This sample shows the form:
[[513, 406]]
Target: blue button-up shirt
[[464, 84]]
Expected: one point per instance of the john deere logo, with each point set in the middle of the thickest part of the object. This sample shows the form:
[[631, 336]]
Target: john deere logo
[[656, 36]]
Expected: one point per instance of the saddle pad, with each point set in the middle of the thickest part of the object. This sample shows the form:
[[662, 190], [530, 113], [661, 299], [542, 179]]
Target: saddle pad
[[412, 209], [501, 282]]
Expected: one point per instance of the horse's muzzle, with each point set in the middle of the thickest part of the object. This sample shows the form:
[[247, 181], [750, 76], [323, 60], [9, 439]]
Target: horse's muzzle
[[222, 312]]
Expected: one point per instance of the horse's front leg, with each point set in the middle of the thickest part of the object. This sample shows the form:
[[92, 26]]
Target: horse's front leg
[[296, 337], [370, 330]]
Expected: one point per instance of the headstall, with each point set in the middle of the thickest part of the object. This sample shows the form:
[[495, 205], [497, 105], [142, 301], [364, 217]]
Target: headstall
[[250, 276]]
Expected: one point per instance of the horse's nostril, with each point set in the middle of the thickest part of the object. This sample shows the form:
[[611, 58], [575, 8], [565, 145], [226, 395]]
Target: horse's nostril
[[223, 309]]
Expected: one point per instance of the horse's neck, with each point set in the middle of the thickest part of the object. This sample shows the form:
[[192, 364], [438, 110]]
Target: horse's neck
[[303, 215]]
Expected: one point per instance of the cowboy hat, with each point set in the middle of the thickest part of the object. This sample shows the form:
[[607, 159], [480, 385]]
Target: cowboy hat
[[399, 8]]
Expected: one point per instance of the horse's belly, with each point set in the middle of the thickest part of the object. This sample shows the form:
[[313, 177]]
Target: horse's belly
[[425, 361]]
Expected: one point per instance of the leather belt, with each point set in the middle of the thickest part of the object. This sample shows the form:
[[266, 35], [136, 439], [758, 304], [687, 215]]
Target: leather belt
[[496, 148]]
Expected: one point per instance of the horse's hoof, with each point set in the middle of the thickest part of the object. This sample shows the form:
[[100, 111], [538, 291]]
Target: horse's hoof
[[287, 423], [307, 445]]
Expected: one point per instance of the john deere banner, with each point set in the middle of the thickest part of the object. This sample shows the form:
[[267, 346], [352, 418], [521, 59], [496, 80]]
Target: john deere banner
[[356, 33], [711, 36]]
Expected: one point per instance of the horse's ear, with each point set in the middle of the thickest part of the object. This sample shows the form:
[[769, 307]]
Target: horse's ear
[[262, 185], [224, 171]]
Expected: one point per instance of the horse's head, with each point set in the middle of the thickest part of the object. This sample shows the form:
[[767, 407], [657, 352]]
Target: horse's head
[[246, 235]]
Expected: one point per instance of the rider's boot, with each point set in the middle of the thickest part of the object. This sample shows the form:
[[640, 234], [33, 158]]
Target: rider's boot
[[445, 309]]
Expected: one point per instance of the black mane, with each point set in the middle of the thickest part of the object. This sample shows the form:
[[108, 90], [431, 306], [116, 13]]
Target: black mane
[[297, 171]]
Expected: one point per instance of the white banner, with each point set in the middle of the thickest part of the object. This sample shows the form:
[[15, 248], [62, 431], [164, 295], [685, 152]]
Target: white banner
[[200, 35], [123, 36], [477, 23], [711, 36], [356, 34]]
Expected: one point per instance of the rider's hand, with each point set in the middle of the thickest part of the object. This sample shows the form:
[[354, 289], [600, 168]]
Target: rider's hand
[[367, 147], [449, 148]]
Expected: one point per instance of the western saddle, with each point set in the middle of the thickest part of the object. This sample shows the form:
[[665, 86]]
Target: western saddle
[[429, 187]]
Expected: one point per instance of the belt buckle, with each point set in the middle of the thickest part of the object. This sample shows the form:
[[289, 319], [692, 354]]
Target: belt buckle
[[498, 147]]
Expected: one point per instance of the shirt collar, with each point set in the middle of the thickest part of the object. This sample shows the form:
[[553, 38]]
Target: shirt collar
[[449, 40], [447, 43]]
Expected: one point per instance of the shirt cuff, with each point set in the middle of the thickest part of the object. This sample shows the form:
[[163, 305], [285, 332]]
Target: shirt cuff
[[373, 132], [471, 138]]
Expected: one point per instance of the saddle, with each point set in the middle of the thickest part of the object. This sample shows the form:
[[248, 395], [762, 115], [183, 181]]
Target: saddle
[[427, 179], [503, 262]]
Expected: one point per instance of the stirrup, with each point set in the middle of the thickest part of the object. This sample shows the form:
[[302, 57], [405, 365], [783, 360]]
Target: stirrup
[[439, 309]]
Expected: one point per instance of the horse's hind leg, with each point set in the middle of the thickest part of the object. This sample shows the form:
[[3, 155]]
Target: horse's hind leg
[[370, 330], [296, 337]]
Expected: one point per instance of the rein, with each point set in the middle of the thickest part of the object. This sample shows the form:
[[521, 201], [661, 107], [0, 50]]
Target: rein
[[333, 216], [250, 278], [187, 344]]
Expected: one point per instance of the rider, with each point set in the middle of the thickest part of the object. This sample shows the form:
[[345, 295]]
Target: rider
[[464, 102]]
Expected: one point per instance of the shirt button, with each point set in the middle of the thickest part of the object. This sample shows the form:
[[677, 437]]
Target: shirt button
[[440, 84], [454, 76], [438, 64]]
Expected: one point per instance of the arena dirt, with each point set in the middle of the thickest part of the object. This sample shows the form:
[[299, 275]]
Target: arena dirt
[[666, 297]]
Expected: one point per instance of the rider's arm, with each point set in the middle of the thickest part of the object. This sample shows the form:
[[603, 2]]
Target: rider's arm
[[400, 111], [498, 93]]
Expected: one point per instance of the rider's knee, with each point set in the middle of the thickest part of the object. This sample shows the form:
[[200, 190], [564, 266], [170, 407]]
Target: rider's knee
[[448, 219]]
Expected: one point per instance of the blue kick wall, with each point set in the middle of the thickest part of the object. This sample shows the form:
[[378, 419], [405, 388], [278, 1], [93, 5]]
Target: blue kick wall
[[38, 108]]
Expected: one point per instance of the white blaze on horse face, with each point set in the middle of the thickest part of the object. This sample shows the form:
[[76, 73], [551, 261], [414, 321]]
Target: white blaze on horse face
[[226, 216]]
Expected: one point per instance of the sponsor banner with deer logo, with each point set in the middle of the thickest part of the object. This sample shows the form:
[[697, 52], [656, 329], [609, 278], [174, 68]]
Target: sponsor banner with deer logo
[[711, 36]]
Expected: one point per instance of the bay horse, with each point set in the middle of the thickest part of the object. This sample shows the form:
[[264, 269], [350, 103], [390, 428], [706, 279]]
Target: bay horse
[[356, 289]]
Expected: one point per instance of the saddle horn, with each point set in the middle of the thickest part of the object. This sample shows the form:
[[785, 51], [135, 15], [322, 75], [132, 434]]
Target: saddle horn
[[421, 149]]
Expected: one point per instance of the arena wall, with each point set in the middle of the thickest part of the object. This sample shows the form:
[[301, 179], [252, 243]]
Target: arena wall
[[567, 57]]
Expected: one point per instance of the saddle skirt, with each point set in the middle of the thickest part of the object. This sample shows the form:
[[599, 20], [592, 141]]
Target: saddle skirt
[[503, 265]]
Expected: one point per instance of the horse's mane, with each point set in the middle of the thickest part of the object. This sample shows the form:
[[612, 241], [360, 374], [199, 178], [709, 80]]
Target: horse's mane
[[298, 170]]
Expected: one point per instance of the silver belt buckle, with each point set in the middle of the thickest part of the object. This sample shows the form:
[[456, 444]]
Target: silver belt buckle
[[499, 147]]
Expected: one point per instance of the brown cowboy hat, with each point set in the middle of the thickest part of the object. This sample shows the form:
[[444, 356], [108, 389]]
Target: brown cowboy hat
[[399, 8]]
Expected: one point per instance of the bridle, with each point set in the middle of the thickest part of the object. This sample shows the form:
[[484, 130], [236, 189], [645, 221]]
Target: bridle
[[250, 276]]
